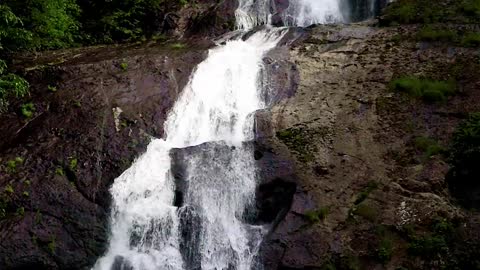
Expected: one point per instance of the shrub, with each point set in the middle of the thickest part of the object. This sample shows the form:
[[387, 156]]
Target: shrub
[[428, 90], [428, 246]]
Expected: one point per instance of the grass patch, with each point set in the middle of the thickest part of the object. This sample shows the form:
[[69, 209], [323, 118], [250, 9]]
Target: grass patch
[[426, 11], [463, 178], [13, 164], [299, 140], [124, 66], [27, 110], [366, 211], [59, 171], [428, 90], [177, 46], [52, 89], [471, 40], [315, 216], [428, 146], [371, 186], [429, 33], [385, 250]]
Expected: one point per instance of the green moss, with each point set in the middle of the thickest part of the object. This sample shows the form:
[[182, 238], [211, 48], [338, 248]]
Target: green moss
[[52, 89], [27, 110], [366, 211], [428, 146], [52, 245], [177, 46], [73, 164], [20, 212], [371, 186], [424, 11], [299, 140], [315, 216], [471, 40], [59, 171], [428, 90], [429, 33], [26, 194], [124, 66], [385, 250], [9, 189]]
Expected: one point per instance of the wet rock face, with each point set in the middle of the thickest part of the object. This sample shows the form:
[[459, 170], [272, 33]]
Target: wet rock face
[[82, 136]]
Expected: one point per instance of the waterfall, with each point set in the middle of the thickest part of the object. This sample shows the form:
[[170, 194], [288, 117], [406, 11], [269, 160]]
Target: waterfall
[[149, 231]]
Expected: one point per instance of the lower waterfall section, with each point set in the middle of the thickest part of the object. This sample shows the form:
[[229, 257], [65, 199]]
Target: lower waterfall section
[[153, 225]]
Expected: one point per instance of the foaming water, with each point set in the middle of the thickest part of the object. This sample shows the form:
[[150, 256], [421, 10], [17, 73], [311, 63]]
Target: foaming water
[[307, 12], [215, 106], [297, 13]]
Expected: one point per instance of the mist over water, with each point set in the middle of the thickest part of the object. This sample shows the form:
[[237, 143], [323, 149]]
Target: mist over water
[[150, 232]]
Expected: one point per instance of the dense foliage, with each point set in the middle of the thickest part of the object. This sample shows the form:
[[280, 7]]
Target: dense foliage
[[53, 24], [423, 11], [465, 175]]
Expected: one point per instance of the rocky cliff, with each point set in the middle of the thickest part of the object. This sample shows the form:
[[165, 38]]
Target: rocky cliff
[[347, 181]]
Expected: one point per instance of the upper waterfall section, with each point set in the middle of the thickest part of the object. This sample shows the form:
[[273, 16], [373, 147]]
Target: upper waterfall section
[[251, 13], [303, 13]]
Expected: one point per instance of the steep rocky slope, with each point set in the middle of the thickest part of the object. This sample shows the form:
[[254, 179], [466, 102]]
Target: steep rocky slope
[[345, 182], [367, 196]]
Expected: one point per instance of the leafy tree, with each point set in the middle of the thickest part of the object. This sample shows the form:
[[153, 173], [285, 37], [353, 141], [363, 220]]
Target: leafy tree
[[11, 85], [52, 23]]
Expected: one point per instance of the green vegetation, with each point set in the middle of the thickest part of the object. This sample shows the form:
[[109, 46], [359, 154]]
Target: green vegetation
[[385, 250], [464, 156], [59, 171], [366, 211], [12, 164], [429, 33], [20, 212], [471, 40], [371, 186], [52, 89], [428, 146], [436, 241], [73, 164], [9, 189], [32, 25], [52, 245], [315, 216], [27, 110], [177, 46], [299, 140], [124, 66], [423, 11], [428, 90]]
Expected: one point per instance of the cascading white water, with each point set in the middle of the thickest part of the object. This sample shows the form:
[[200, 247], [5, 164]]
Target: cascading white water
[[298, 12], [217, 105], [308, 12]]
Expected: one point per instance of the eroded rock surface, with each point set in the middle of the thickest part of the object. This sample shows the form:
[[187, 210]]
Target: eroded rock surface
[[94, 114]]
